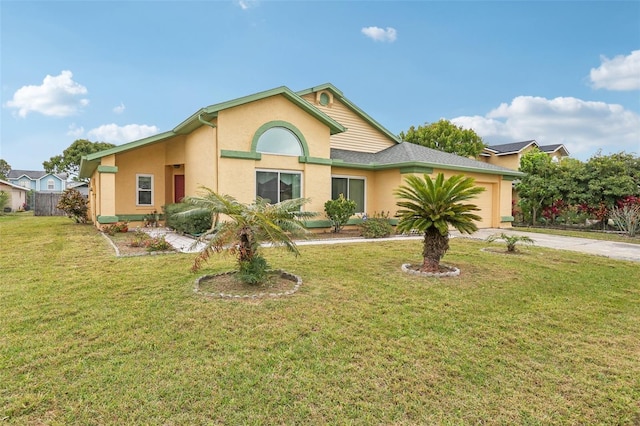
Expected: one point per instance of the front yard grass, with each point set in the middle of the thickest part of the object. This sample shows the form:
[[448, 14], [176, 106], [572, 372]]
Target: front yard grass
[[546, 337]]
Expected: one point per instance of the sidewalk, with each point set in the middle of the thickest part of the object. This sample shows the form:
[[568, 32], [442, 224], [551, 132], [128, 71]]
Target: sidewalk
[[614, 250]]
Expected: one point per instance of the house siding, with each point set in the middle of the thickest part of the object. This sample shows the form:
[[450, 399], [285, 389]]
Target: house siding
[[360, 135]]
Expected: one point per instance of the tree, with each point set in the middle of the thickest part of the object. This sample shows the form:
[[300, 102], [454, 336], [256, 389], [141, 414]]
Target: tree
[[69, 161], [245, 227], [339, 211], [432, 206], [5, 168], [609, 178], [537, 189], [446, 136]]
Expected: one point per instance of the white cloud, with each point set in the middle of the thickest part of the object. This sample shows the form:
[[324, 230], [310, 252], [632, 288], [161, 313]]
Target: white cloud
[[619, 73], [246, 4], [583, 127], [380, 34], [121, 134], [75, 131], [119, 109], [57, 96]]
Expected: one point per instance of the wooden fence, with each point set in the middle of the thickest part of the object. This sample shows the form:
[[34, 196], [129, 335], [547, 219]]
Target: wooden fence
[[45, 204]]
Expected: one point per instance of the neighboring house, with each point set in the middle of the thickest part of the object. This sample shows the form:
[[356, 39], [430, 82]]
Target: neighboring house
[[278, 144], [17, 195], [508, 155], [81, 187], [38, 181]]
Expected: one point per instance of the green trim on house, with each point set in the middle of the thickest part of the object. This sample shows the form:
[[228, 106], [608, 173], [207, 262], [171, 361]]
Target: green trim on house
[[311, 224], [315, 160], [138, 217], [417, 164], [507, 219], [211, 111], [286, 125], [510, 178], [107, 219], [416, 169], [326, 223], [241, 155], [107, 169], [338, 94]]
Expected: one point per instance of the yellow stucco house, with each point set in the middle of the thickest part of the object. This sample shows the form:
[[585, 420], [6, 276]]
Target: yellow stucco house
[[278, 144]]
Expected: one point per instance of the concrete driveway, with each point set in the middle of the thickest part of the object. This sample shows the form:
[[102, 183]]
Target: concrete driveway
[[614, 250]]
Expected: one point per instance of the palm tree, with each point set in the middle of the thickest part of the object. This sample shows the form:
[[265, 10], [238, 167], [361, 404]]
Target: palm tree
[[511, 240], [432, 206], [245, 226]]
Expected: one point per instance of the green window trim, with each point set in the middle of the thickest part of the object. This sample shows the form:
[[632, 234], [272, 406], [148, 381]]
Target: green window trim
[[241, 155], [279, 123]]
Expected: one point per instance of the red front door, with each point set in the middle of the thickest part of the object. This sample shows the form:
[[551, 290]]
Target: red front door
[[178, 187]]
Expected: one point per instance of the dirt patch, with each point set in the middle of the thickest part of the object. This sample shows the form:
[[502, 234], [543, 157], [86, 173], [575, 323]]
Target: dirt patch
[[227, 285]]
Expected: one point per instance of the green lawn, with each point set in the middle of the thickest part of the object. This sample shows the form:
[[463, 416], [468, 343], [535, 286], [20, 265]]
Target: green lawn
[[546, 337]]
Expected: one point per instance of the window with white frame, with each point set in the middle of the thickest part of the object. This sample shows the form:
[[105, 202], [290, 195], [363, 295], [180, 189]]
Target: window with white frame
[[277, 186], [352, 188], [144, 190], [51, 185]]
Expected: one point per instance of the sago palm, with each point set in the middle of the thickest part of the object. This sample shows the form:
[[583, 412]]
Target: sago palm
[[243, 227], [432, 206]]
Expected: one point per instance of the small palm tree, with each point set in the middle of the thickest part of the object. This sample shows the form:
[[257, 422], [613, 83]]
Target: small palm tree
[[511, 240], [245, 226], [432, 206]]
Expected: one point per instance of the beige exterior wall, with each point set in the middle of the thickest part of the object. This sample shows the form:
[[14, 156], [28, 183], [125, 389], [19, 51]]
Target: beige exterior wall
[[360, 135], [201, 160]]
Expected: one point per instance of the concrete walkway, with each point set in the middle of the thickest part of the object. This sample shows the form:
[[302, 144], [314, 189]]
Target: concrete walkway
[[614, 250]]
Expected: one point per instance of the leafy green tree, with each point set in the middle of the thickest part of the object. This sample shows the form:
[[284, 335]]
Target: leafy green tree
[[74, 204], [5, 168], [432, 206], [69, 161], [339, 211], [446, 136], [609, 178], [538, 188], [245, 226]]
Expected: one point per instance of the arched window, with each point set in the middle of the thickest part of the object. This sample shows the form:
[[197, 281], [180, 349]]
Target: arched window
[[279, 140]]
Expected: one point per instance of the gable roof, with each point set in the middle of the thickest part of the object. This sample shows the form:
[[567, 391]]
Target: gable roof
[[14, 186], [34, 174], [516, 147], [203, 117], [407, 154], [510, 148], [553, 148], [353, 107]]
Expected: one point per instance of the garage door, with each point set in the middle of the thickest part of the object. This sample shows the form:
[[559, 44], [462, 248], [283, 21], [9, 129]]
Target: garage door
[[485, 202]]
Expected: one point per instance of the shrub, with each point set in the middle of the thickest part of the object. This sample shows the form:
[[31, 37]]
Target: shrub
[[253, 271], [74, 204], [194, 223], [158, 244], [627, 218], [115, 228], [377, 226], [4, 200], [339, 211], [511, 240]]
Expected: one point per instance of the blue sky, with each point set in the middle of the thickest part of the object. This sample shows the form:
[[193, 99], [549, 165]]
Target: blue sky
[[117, 71]]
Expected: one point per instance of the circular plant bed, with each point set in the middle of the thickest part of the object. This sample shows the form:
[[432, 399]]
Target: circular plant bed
[[226, 285], [445, 271]]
